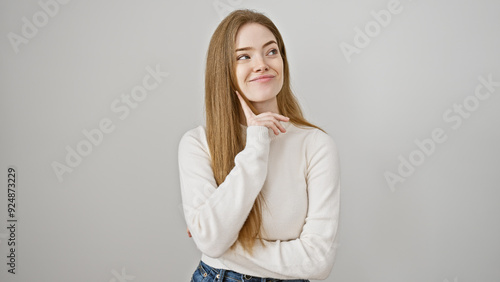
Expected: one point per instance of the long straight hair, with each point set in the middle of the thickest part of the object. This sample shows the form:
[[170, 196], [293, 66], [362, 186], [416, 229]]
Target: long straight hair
[[223, 109]]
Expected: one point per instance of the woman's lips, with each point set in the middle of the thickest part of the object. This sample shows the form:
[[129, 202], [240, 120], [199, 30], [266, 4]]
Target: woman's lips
[[263, 78]]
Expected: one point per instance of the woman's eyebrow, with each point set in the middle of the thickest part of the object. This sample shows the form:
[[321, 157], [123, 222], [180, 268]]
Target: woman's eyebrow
[[249, 48]]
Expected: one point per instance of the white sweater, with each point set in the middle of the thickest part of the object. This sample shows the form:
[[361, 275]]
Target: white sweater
[[298, 173]]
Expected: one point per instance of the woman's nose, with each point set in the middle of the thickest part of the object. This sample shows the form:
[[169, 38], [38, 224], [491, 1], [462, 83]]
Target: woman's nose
[[260, 65]]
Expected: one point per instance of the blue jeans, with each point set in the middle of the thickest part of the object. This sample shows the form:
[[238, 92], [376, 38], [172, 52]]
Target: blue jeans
[[206, 273]]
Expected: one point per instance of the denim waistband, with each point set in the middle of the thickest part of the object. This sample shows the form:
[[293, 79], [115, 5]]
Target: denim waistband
[[229, 275]]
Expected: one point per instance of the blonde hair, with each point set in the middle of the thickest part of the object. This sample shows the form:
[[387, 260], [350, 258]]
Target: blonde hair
[[223, 109]]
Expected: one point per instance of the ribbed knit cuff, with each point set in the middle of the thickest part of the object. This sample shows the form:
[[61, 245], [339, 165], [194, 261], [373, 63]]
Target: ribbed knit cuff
[[258, 133]]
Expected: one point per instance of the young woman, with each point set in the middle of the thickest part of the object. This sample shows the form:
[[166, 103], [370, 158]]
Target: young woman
[[260, 185]]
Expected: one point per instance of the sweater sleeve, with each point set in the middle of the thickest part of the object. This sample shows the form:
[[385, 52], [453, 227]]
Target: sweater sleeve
[[215, 215], [312, 254]]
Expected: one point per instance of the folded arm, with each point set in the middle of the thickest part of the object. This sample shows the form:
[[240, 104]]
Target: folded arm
[[312, 254], [215, 215]]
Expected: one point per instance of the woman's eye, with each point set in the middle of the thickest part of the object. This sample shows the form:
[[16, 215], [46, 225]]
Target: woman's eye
[[243, 56], [273, 51]]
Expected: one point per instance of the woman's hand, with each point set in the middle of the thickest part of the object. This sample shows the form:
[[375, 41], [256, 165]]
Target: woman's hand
[[268, 119]]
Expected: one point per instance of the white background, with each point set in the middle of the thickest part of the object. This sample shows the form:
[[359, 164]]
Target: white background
[[117, 215]]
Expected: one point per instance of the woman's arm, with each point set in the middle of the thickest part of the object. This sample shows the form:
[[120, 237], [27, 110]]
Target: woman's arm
[[215, 215], [312, 255]]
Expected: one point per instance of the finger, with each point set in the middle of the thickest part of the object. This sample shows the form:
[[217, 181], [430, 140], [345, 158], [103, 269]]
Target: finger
[[274, 119], [246, 109], [273, 125], [280, 127], [276, 126], [276, 116], [281, 117]]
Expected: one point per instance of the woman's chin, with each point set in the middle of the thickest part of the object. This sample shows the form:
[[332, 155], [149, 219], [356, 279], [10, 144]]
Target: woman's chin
[[261, 97]]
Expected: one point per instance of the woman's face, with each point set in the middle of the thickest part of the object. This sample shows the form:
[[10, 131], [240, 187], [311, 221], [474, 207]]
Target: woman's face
[[259, 66]]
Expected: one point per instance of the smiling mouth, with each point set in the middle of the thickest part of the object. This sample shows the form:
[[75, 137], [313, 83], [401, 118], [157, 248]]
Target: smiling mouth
[[263, 78]]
